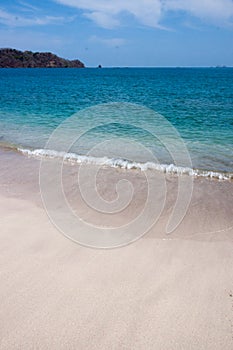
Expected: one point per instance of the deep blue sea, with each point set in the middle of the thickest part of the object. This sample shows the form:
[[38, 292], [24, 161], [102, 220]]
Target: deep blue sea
[[197, 102]]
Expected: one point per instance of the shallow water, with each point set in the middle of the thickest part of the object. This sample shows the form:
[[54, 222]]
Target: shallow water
[[197, 102]]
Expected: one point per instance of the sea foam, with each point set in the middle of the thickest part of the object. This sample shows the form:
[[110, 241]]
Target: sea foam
[[125, 164]]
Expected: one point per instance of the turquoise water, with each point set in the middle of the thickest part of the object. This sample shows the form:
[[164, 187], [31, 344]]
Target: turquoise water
[[198, 102]]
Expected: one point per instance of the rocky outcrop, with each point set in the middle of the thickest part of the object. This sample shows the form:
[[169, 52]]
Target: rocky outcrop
[[11, 58]]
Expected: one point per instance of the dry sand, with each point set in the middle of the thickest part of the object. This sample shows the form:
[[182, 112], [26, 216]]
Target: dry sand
[[157, 293]]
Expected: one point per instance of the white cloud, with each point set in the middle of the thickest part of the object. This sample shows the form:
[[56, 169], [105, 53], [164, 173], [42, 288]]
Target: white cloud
[[28, 7], [17, 20], [102, 19], [213, 10], [107, 13], [112, 42]]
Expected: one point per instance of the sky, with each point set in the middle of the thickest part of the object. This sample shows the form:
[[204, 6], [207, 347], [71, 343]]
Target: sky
[[124, 33]]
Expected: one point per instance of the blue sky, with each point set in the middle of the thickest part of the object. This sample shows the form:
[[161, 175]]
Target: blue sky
[[123, 32]]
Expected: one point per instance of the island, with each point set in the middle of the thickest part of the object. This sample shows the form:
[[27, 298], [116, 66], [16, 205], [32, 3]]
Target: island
[[12, 58]]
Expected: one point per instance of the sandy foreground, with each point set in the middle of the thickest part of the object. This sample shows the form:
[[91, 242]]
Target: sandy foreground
[[156, 293]]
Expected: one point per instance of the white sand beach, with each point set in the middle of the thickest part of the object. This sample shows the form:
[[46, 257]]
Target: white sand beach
[[157, 293]]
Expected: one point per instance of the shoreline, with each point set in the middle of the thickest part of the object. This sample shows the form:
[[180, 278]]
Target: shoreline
[[74, 158], [209, 213], [155, 293]]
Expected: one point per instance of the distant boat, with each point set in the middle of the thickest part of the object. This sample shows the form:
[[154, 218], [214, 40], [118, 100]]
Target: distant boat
[[99, 66]]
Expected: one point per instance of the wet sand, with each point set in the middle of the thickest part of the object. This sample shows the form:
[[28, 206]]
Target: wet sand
[[160, 292]]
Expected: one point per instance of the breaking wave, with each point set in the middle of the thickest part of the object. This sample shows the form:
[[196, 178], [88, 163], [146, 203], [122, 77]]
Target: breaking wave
[[125, 164]]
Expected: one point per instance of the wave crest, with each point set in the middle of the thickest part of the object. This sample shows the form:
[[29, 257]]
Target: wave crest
[[125, 164]]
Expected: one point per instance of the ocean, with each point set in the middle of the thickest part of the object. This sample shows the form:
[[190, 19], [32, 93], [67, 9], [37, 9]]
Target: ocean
[[127, 108]]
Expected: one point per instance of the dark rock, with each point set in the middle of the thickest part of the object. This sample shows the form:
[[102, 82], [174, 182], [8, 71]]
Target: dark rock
[[11, 58]]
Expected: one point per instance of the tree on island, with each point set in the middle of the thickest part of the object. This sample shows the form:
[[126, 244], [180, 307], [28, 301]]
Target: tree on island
[[11, 58]]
